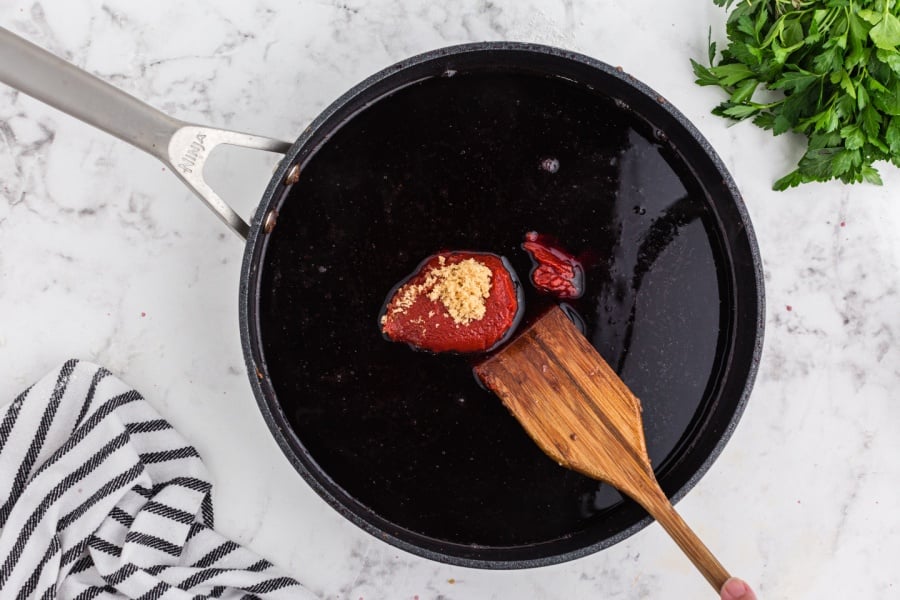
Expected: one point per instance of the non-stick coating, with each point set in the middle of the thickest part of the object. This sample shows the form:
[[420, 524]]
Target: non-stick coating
[[741, 291]]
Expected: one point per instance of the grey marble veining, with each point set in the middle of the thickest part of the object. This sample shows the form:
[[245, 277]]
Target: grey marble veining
[[106, 256]]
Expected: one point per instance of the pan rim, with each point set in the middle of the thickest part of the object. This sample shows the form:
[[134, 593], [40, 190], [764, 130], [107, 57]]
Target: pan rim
[[250, 330]]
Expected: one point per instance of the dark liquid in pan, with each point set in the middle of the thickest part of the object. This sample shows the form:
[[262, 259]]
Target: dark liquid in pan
[[462, 163]]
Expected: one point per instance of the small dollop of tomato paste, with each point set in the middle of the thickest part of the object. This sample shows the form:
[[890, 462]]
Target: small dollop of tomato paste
[[555, 271], [454, 302]]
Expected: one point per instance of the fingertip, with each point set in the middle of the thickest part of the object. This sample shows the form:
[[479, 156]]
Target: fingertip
[[737, 589]]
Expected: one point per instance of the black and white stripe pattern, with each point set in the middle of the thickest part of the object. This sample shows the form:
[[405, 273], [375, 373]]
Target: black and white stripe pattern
[[101, 498]]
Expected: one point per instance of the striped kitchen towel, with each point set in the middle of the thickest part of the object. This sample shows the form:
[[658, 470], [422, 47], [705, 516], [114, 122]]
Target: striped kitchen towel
[[101, 498]]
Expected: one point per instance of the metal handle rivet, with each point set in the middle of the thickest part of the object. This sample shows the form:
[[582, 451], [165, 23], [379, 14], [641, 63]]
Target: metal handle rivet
[[271, 219], [293, 175]]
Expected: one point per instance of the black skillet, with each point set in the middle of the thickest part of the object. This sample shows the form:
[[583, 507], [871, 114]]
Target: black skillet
[[470, 147]]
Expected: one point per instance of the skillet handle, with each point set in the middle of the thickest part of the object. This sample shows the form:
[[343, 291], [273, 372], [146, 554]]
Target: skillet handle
[[182, 146], [191, 145]]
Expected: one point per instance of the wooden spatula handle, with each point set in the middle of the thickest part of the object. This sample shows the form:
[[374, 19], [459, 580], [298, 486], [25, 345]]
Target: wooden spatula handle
[[662, 510]]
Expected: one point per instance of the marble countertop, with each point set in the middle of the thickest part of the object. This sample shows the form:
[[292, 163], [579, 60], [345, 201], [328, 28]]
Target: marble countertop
[[105, 256]]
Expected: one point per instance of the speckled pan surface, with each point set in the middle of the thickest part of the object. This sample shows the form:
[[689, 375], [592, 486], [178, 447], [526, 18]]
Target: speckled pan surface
[[741, 298]]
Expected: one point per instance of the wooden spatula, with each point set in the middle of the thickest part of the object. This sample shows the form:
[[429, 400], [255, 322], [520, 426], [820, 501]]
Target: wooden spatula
[[582, 415]]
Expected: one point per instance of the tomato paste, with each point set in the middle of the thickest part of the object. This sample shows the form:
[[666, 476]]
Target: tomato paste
[[454, 302], [555, 271]]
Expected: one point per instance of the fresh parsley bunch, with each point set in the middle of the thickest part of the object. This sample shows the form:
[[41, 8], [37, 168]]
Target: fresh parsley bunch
[[836, 69]]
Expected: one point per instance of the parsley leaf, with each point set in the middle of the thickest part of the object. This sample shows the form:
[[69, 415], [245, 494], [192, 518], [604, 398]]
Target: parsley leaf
[[834, 68], [886, 34]]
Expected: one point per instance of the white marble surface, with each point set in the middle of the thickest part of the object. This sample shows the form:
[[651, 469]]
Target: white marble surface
[[105, 256]]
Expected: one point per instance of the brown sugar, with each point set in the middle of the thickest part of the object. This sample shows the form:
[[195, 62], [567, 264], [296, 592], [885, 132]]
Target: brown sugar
[[462, 288]]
